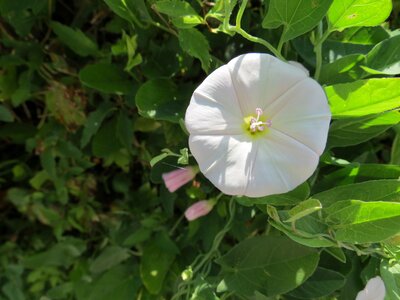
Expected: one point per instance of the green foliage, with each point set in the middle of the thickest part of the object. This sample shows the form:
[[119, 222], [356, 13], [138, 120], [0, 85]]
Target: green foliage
[[92, 103]]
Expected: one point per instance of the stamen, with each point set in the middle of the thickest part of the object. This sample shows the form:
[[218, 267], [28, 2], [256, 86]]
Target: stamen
[[256, 124]]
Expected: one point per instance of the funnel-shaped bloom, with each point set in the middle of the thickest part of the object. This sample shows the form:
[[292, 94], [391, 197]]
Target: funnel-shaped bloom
[[374, 290], [199, 209], [258, 126], [175, 179]]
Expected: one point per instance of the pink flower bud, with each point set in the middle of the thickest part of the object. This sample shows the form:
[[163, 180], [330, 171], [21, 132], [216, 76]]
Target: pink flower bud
[[199, 209], [175, 179]]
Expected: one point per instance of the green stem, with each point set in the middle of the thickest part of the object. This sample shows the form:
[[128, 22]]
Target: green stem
[[259, 41], [318, 49], [237, 29]]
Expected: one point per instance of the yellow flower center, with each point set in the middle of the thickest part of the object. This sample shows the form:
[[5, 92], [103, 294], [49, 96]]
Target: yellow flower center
[[256, 125]]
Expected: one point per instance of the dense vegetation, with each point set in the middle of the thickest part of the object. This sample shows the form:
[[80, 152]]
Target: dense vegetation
[[92, 99]]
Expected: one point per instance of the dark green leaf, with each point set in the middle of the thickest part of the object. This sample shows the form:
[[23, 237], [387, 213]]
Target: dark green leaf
[[74, 39], [106, 78], [195, 44], [157, 99], [5, 114], [110, 257], [322, 283], [270, 265]]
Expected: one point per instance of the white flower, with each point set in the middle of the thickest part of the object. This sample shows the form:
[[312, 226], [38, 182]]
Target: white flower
[[257, 126], [374, 290]]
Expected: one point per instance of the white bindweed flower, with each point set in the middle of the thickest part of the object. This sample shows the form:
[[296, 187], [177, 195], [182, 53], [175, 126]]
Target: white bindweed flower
[[257, 126], [374, 290]]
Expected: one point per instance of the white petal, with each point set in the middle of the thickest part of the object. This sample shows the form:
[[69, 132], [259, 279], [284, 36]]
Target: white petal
[[261, 78], [303, 113], [281, 164], [214, 107], [374, 290], [225, 160]]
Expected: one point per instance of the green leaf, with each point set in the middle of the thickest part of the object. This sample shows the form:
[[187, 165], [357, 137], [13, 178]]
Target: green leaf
[[106, 78], [48, 161], [157, 99], [105, 143], [344, 69], [375, 190], [349, 13], [158, 255], [120, 282], [5, 114], [297, 16], [109, 257], [290, 198], [360, 222], [384, 58], [194, 43], [309, 235], [390, 272], [363, 97], [303, 209], [357, 172], [395, 153], [322, 283], [270, 265], [74, 39], [62, 254], [348, 132], [125, 130], [134, 11], [182, 13], [94, 122]]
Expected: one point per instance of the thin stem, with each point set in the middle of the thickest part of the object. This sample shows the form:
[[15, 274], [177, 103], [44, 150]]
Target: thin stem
[[318, 49], [176, 225], [237, 29], [281, 42], [240, 14], [259, 41]]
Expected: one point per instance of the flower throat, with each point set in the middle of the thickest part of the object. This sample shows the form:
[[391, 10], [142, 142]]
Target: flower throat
[[256, 126]]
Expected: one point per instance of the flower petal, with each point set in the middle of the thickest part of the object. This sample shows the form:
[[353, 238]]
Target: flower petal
[[374, 290], [214, 107], [281, 164], [260, 78], [303, 113], [225, 160]]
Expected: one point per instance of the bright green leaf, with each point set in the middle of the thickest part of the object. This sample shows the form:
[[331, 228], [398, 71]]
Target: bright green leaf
[[348, 132], [182, 13], [375, 190], [363, 97], [360, 222], [350, 13], [297, 16]]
